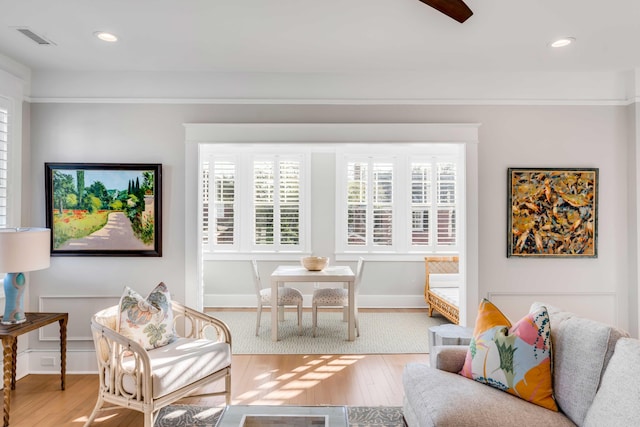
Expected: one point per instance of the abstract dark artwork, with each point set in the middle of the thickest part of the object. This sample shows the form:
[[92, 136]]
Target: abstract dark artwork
[[552, 212], [104, 209]]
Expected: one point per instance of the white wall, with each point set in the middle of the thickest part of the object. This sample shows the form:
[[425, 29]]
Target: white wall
[[560, 136]]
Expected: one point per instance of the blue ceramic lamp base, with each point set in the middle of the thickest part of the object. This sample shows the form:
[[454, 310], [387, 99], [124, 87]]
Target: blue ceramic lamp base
[[14, 285]]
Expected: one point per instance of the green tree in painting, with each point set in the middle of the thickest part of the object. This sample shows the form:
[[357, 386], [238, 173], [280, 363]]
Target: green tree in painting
[[80, 184], [95, 204], [99, 191], [147, 181], [72, 201], [62, 187]]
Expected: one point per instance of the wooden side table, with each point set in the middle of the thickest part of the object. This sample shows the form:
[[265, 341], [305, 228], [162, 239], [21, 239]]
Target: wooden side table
[[9, 335]]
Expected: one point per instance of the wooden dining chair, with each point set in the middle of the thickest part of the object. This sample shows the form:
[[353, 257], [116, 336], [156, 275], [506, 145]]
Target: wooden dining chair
[[337, 297], [287, 296]]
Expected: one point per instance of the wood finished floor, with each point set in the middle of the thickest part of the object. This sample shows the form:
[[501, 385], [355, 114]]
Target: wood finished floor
[[355, 380], [358, 380]]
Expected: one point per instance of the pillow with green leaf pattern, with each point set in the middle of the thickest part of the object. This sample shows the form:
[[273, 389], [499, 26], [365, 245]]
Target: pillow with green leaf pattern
[[147, 321], [513, 358]]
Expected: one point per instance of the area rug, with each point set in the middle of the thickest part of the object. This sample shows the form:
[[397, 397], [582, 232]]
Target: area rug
[[380, 333], [202, 416]]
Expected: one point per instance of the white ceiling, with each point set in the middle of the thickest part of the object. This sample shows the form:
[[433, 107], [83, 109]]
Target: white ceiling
[[322, 35]]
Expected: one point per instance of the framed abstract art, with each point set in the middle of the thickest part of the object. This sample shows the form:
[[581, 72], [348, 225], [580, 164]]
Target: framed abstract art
[[552, 212]]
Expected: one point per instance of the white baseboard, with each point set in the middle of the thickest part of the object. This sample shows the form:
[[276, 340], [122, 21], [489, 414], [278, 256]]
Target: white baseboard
[[48, 362], [31, 362], [364, 301]]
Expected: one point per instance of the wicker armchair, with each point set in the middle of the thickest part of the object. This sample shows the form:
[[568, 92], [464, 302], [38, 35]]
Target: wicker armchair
[[148, 380], [445, 300]]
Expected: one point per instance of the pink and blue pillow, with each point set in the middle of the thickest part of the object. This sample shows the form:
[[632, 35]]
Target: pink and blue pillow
[[515, 358]]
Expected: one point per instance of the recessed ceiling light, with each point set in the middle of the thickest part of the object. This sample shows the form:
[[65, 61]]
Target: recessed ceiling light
[[107, 37], [565, 41]]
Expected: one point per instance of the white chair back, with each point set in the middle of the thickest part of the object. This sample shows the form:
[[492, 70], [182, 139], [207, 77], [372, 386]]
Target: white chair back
[[256, 277], [359, 271]]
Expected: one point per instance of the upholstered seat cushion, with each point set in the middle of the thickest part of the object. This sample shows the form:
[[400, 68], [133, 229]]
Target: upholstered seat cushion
[[444, 399], [180, 363], [286, 296], [331, 296], [451, 295]]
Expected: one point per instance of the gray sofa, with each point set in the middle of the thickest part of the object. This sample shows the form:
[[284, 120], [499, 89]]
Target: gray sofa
[[596, 376]]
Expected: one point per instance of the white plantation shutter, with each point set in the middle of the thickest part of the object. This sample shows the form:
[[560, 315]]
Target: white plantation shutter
[[290, 202], [253, 201], [277, 208], [4, 147], [263, 202], [382, 204], [446, 204], [204, 196], [433, 201], [223, 177], [357, 177], [398, 201], [218, 203], [369, 201], [421, 197]]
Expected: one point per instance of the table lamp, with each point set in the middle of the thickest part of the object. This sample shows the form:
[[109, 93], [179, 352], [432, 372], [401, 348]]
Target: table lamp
[[21, 249]]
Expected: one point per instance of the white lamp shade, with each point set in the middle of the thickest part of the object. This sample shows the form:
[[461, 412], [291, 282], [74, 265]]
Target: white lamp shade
[[24, 249]]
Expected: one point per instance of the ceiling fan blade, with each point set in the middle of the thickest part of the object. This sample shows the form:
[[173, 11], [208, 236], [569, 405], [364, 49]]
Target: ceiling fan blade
[[455, 9]]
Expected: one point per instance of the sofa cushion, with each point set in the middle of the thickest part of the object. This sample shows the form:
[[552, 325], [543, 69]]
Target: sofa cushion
[[617, 402], [515, 359], [179, 363], [147, 321], [438, 398], [582, 349]]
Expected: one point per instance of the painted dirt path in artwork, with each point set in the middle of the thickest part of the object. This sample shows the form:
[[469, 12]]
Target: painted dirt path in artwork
[[117, 234]]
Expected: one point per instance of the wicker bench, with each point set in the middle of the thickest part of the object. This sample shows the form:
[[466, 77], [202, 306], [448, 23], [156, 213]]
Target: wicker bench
[[445, 300]]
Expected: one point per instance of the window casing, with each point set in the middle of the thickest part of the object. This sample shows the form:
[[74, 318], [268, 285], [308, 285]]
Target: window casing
[[4, 162], [400, 201], [254, 201]]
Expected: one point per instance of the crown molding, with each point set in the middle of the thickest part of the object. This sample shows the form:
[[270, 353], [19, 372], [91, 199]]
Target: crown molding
[[310, 101], [400, 88]]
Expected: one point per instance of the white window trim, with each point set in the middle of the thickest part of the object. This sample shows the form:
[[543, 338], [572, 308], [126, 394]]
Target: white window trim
[[14, 162], [324, 134], [11, 96]]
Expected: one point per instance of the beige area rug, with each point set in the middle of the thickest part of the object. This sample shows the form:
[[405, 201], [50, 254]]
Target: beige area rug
[[380, 333], [201, 416]]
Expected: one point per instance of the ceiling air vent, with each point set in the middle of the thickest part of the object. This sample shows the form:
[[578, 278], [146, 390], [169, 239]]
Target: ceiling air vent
[[33, 36]]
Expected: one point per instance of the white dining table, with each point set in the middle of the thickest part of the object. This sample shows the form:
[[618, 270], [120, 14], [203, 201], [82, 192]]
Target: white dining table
[[291, 273]]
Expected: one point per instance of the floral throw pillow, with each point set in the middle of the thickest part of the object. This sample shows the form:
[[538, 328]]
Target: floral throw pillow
[[513, 358], [148, 321]]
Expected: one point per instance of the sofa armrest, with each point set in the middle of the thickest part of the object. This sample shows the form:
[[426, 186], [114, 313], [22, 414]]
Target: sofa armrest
[[449, 358]]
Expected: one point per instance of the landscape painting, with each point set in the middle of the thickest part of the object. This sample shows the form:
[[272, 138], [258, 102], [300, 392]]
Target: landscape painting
[[104, 209], [552, 212]]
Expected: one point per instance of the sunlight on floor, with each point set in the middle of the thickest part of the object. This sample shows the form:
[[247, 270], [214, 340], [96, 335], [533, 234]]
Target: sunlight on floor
[[84, 419], [280, 388]]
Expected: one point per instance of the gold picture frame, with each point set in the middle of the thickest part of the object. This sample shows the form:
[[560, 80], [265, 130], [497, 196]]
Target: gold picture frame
[[552, 212]]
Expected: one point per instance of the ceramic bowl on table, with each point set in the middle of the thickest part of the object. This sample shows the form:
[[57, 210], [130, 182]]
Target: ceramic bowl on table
[[315, 263]]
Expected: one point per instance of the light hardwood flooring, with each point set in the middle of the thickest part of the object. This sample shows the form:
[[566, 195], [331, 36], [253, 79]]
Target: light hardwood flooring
[[358, 380]]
